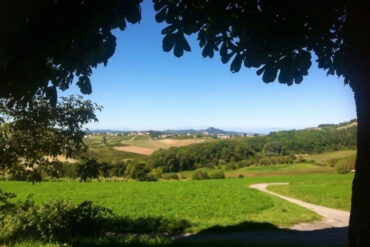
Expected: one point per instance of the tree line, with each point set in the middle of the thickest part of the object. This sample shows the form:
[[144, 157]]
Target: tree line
[[275, 147]]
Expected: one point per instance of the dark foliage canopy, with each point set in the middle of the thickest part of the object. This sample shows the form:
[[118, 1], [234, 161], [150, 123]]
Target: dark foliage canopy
[[44, 44], [276, 37]]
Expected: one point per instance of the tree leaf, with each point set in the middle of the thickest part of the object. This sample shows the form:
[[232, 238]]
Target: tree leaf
[[208, 50], [270, 74], [158, 4], [202, 37], [236, 64], [185, 43], [223, 50], [84, 84], [178, 51], [161, 15], [260, 71], [168, 42]]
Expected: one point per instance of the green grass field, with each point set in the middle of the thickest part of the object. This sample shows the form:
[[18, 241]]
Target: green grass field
[[207, 205], [271, 170], [203, 204], [334, 192], [332, 157], [226, 205]]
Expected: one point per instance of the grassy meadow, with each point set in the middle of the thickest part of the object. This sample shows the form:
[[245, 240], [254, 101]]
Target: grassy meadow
[[334, 192], [201, 205], [265, 171], [331, 158]]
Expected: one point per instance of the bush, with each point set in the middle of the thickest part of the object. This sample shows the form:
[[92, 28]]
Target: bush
[[88, 169], [157, 172], [105, 169], [55, 220], [232, 166], [333, 162], [69, 170], [343, 167], [140, 171], [19, 173], [169, 176], [200, 175], [241, 176], [119, 169], [217, 175]]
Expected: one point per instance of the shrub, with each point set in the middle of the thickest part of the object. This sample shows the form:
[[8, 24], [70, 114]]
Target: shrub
[[241, 176], [19, 173], [333, 162], [217, 175], [69, 170], [55, 220], [139, 171], [119, 169], [88, 169], [200, 175], [157, 172], [232, 166], [169, 176], [104, 169], [343, 167]]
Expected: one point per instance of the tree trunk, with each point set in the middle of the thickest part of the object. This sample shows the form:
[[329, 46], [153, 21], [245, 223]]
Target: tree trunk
[[359, 226], [356, 35]]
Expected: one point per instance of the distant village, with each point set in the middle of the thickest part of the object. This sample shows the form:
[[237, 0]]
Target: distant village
[[168, 134]]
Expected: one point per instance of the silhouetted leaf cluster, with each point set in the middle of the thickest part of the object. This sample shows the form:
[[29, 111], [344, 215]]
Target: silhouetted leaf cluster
[[45, 44]]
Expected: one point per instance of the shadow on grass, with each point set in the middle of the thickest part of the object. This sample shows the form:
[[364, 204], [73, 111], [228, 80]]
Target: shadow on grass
[[146, 225], [273, 236], [163, 232], [246, 226]]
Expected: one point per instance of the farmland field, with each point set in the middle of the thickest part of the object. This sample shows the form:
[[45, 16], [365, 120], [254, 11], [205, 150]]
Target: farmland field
[[270, 170], [135, 149], [334, 193], [140, 144], [332, 157], [109, 154], [204, 204]]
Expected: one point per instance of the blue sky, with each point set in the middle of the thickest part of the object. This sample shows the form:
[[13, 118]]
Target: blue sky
[[143, 87]]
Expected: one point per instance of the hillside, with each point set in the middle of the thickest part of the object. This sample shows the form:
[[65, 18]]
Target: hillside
[[274, 148]]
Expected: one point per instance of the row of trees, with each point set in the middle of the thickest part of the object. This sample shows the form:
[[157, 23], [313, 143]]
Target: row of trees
[[256, 150]]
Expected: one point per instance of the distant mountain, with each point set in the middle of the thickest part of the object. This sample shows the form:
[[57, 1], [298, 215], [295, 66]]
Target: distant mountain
[[210, 131], [214, 131], [105, 131]]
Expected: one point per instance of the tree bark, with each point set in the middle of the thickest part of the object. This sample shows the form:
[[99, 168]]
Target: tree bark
[[359, 226], [356, 35]]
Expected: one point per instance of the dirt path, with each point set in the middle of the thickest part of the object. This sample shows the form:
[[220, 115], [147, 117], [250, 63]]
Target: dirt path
[[331, 231], [132, 138], [332, 217]]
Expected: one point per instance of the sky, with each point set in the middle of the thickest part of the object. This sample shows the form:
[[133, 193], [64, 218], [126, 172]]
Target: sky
[[142, 87]]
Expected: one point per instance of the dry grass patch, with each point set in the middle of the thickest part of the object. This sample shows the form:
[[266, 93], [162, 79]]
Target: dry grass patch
[[135, 149], [179, 143], [147, 147]]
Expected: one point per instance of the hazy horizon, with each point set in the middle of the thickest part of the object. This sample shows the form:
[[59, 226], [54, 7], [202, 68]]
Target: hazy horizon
[[250, 131]]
